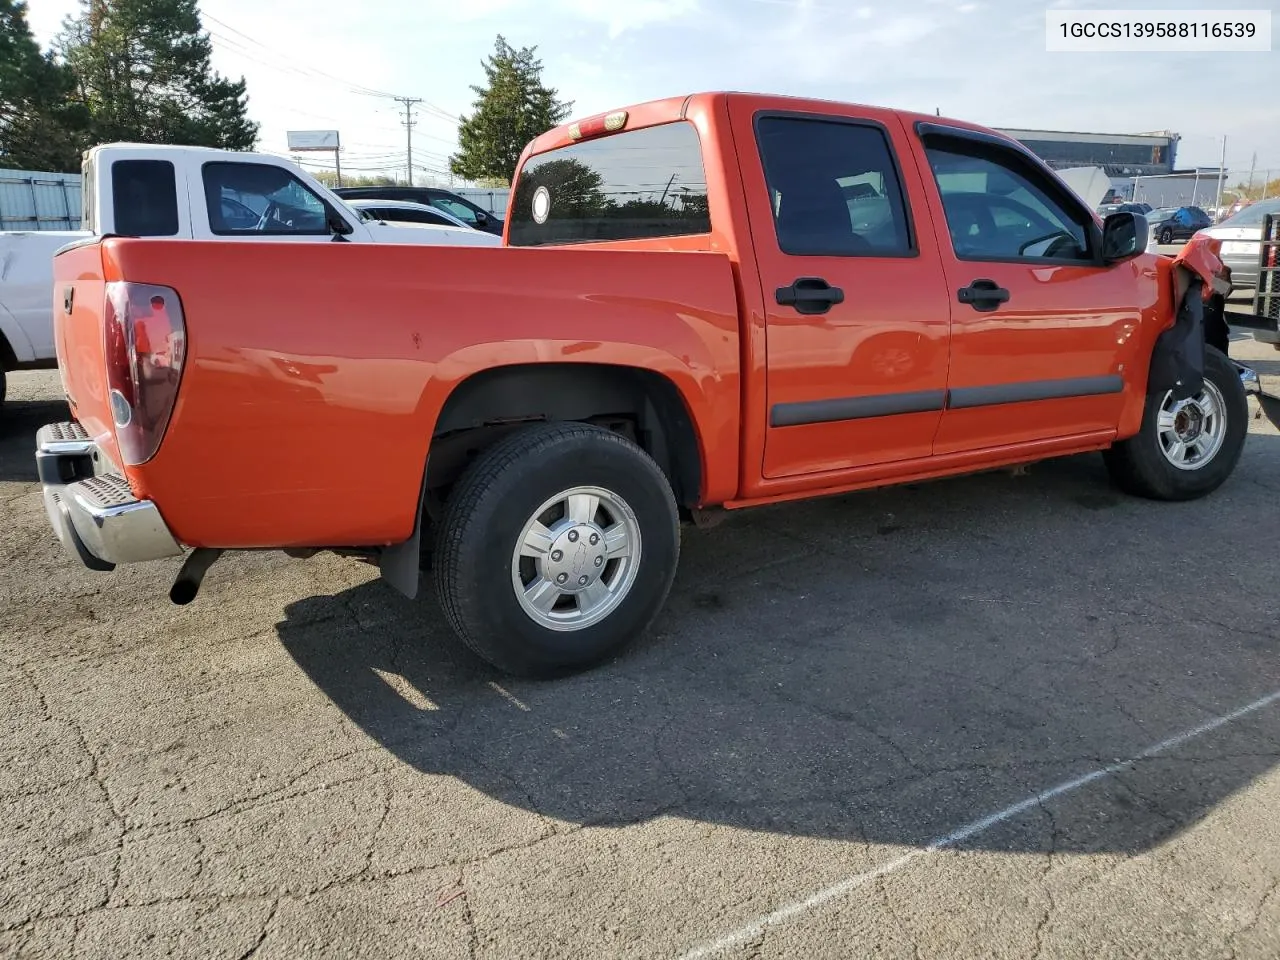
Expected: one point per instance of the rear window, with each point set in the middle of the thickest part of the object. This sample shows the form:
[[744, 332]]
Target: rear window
[[633, 185], [145, 198]]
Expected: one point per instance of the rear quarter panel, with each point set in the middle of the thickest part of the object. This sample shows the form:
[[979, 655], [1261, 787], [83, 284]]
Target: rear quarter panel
[[315, 372]]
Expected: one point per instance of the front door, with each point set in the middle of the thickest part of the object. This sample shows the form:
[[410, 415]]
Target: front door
[[1042, 334], [856, 312]]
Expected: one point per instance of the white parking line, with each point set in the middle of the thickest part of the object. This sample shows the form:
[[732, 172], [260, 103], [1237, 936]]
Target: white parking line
[[756, 927]]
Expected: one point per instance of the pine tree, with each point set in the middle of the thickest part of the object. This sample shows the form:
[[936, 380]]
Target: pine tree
[[144, 71], [42, 125], [512, 109]]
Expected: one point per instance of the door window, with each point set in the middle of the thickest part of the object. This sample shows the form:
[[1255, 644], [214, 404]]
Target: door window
[[403, 215], [261, 199], [459, 210], [834, 188], [998, 208]]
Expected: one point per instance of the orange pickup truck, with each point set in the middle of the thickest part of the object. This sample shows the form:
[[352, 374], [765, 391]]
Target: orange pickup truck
[[701, 304]]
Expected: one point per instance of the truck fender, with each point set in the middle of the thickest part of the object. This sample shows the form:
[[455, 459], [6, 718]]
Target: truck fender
[[711, 396], [15, 347]]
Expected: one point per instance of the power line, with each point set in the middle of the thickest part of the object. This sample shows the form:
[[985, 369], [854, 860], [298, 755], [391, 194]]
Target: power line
[[307, 70], [408, 129]]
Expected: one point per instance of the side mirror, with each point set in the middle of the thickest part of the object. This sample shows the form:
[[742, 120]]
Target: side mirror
[[481, 217], [1124, 236], [338, 224]]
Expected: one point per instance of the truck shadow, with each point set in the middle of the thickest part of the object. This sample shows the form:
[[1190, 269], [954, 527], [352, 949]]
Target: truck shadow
[[19, 421], [887, 666]]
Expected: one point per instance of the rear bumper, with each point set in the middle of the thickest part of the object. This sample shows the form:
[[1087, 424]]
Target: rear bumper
[[91, 508]]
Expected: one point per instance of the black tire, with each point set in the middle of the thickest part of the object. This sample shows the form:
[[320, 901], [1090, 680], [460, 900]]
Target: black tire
[[1166, 237], [486, 514], [1139, 466]]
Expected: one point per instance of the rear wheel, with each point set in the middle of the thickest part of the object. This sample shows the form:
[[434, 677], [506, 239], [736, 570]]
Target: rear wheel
[[1186, 448], [1166, 237], [557, 548]]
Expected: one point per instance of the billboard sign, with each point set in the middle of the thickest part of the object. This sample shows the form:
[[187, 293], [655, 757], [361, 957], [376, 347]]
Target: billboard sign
[[313, 140]]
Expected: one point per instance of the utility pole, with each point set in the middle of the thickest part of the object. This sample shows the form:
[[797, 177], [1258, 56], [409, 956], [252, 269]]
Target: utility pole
[[1222, 175], [1253, 164], [408, 122]]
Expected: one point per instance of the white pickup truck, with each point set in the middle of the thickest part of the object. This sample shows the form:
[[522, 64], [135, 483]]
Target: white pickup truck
[[148, 190]]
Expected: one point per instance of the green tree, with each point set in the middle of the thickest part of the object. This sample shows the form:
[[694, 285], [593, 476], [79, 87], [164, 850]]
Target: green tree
[[510, 110], [43, 126], [575, 188], [143, 68]]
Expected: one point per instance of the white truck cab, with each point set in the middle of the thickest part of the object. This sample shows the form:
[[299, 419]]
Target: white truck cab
[[149, 190], [201, 193]]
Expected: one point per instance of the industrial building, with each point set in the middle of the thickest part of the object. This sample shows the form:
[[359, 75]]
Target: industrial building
[[1123, 156], [1141, 166]]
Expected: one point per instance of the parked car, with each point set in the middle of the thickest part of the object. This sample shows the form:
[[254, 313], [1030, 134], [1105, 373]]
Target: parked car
[[1177, 223], [684, 319], [1241, 236], [470, 213], [1107, 209], [409, 212], [26, 303]]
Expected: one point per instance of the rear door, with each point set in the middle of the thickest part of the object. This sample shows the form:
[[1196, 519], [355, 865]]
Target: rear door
[[856, 313], [1041, 331]]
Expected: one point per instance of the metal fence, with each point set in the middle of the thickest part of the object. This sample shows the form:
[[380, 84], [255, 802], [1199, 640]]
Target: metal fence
[[30, 200], [493, 200], [1266, 301]]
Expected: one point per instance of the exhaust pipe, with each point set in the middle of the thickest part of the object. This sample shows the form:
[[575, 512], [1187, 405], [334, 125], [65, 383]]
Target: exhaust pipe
[[194, 568]]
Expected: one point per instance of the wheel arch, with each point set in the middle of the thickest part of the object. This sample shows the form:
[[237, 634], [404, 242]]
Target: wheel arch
[[489, 403]]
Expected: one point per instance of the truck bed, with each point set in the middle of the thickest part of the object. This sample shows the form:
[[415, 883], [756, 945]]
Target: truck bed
[[324, 366]]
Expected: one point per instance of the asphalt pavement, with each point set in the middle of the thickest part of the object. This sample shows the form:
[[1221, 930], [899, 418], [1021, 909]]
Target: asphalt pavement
[[996, 716]]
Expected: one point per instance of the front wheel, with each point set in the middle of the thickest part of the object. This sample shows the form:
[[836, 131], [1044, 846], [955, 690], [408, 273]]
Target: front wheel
[[1166, 237], [1186, 448], [557, 548]]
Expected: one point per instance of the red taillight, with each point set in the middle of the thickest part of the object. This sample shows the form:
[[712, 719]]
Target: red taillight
[[145, 346]]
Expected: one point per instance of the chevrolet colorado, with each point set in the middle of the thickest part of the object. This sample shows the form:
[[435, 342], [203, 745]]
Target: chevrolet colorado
[[701, 304]]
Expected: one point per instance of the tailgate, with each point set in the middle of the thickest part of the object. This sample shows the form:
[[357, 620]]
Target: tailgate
[[78, 284]]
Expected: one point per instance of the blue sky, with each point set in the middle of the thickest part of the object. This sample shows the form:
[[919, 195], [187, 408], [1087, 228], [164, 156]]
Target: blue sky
[[306, 62]]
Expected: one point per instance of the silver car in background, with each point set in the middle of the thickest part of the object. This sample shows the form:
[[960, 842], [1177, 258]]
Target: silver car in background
[[1241, 237]]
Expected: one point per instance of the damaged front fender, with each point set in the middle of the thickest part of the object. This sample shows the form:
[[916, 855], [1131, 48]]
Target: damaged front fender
[[1201, 284]]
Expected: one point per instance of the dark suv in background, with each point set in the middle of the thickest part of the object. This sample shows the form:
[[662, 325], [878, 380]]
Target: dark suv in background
[[445, 200], [1177, 223]]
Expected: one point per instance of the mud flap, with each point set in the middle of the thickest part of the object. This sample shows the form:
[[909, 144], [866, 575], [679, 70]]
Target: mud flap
[[400, 563]]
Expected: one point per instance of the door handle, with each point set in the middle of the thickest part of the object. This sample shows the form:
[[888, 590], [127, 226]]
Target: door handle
[[809, 295], [983, 295]]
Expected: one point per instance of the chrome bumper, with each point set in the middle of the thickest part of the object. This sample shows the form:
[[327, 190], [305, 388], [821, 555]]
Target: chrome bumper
[[91, 508], [1248, 378]]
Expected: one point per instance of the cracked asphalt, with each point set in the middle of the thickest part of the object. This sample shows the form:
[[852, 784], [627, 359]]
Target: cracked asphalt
[[302, 763]]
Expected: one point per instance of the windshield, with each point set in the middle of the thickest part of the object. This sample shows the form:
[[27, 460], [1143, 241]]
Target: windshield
[[1251, 216]]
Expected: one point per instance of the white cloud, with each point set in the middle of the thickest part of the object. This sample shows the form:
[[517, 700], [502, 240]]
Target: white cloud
[[620, 16], [902, 31]]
